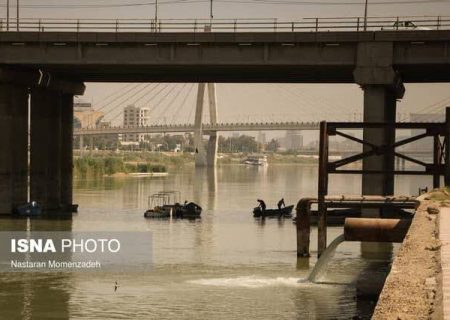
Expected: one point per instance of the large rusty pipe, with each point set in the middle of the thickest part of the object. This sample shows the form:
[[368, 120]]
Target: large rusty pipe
[[376, 230]]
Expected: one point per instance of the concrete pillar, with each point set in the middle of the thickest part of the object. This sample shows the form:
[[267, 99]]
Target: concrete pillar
[[379, 106], [200, 153], [382, 87], [211, 153], [66, 151], [45, 165], [13, 146]]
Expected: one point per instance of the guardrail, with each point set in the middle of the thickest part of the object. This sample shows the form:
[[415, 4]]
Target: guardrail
[[226, 25]]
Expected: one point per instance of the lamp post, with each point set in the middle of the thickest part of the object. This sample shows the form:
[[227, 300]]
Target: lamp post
[[17, 20], [7, 15], [211, 9], [156, 15], [365, 15]]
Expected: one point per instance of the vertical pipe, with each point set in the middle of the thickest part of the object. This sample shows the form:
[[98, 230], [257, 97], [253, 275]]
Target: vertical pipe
[[436, 161], [303, 228], [322, 189], [447, 147]]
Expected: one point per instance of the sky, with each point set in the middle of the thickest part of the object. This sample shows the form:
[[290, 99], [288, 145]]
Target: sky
[[239, 102]]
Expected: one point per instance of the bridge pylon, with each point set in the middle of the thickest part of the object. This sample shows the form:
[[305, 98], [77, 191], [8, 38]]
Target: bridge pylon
[[205, 157]]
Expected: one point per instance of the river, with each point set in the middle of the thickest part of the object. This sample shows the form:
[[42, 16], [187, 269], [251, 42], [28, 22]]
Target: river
[[227, 265]]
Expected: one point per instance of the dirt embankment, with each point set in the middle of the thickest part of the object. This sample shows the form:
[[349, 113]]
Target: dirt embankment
[[413, 289]]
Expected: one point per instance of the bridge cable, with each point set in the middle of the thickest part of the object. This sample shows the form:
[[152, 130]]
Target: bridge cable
[[123, 98], [105, 101], [170, 104], [183, 102], [139, 98]]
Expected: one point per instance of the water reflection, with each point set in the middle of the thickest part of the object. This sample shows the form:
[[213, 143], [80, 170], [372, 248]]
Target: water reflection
[[32, 295], [227, 244]]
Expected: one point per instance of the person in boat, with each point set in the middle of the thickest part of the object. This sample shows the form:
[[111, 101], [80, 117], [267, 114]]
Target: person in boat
[[281, 204], [262, 205]]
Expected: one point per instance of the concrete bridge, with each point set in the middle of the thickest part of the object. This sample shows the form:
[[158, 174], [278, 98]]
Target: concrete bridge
[[48, 68]]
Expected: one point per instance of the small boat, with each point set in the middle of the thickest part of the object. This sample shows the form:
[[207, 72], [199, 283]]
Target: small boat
[[189, 210], [157, 212], [285, 212], [30, 209], [256, 161], [165, 204]]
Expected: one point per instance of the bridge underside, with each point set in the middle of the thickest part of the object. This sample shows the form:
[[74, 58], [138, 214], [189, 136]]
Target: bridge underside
[[49, 65]]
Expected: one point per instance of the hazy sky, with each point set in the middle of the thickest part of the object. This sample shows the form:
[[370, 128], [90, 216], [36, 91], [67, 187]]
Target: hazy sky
[[237, 101]]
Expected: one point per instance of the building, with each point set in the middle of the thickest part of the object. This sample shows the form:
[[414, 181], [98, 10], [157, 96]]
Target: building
[[135, 117], [261, 138], [84, 115], [292, 141]]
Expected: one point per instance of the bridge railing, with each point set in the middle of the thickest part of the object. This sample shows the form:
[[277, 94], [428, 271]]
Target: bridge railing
[[226, 25]]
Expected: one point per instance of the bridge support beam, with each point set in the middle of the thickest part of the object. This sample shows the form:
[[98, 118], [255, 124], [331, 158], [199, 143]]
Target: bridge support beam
[[382, 87], [208, 157], [45, 165], [13, 146]]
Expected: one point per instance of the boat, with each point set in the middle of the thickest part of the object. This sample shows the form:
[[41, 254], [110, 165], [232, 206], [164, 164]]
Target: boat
[[285, 212], [30, 209], [166, 204], [256, 160], [189, 210]]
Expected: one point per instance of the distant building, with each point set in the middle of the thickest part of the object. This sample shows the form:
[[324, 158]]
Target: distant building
[[261, 138], [135, 117], [292, 141], [84, 115]]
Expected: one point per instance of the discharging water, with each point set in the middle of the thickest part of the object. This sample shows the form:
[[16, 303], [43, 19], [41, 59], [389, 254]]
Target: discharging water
[[226, 265], [324, 260]]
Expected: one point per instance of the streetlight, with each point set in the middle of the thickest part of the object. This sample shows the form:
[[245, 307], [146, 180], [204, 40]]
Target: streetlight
[[17, 21], [211, 9], [7, 15], [365, 15]]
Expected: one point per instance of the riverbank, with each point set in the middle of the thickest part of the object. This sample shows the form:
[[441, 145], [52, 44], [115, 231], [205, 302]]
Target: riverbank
[[114, 166], [413, 289]]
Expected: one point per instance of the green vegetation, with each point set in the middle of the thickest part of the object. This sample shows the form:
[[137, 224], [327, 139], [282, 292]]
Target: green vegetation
[[106, 165]]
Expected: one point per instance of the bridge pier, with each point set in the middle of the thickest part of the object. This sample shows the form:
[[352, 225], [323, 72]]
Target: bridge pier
[[382, 87], [13, 146], [46, 143], [205, 157], [48, 166]]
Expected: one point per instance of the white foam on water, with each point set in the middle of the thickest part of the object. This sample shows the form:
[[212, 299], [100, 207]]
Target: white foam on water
[[248, 282]]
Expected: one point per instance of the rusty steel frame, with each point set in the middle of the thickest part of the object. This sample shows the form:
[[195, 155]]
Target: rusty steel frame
[[439, 167]]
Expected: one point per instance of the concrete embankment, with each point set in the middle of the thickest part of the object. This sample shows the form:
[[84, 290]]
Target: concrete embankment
[[413, 288]]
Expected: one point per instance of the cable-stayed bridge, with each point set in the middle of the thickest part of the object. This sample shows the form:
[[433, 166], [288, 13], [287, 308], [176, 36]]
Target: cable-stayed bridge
[[207, 128]]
